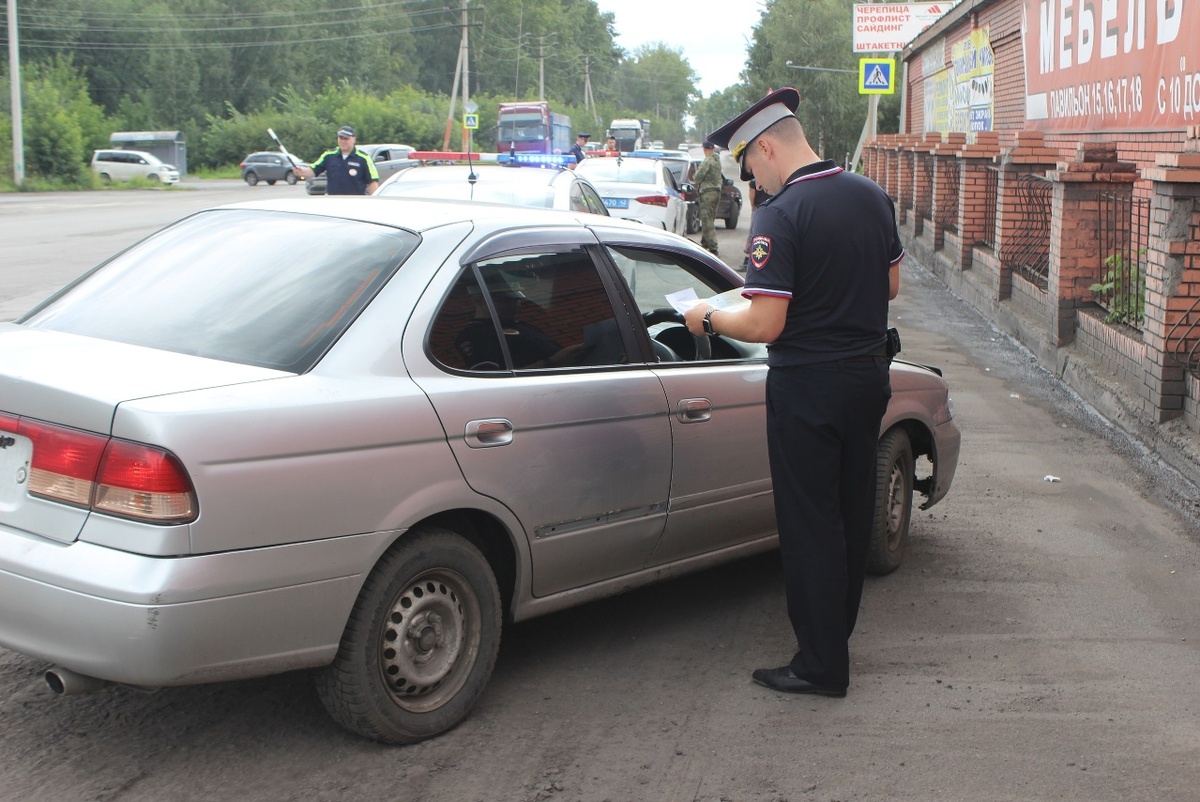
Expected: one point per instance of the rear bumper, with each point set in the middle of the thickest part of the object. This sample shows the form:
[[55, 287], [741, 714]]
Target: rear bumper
[[153, 621]]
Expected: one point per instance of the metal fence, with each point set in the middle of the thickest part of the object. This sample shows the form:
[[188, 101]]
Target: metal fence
[[925, 187], [947, 212], [991, 191], [1029, 252], [1124, 227]]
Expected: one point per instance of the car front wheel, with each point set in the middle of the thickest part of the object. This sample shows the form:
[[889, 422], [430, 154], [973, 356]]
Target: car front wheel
[[732, 220], [893, 502], [420, 643], [251, 178], [291, 178]]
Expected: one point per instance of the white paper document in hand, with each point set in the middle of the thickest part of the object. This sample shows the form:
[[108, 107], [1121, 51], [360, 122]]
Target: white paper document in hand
[[729, 300]]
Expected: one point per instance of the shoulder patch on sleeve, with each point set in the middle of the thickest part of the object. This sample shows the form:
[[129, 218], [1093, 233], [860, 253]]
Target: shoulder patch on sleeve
[[760, 251]]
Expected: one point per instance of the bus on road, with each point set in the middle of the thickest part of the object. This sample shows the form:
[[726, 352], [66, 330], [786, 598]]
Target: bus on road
[[532, 128]]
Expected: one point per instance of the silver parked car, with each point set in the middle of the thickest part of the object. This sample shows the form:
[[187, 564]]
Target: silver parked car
[[362, 455]]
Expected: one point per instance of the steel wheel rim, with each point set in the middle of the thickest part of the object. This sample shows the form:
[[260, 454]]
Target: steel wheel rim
[[429, 640], [895, 505]]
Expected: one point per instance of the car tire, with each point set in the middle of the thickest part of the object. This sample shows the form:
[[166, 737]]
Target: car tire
[[421, 641], [732, 220], [251, 177], [271, 181], [291, 178], [693, 218], [893, 503], [106, 179]]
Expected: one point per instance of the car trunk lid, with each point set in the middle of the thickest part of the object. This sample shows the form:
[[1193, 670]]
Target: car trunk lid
[[74, 382]]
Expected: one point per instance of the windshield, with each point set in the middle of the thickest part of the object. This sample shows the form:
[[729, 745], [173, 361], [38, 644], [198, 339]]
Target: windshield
[[633, 171], [220, 285], [521, 127]]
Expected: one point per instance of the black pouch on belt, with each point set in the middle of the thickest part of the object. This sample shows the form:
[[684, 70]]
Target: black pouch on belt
[[893, 343]]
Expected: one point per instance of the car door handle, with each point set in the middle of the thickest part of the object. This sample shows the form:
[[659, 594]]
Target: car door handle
[[695, 410], [489, 433]]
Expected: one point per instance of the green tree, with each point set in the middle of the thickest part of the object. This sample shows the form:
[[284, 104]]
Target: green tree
[[812, 33], [61, 124]]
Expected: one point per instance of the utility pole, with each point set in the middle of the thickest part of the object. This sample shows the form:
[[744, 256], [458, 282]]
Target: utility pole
[[460, 72], [466, 73], [14, 86], [588, 100], [542, 42]]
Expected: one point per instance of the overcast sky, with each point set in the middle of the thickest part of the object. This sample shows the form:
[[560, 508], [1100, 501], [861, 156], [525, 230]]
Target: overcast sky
[[713, 34]]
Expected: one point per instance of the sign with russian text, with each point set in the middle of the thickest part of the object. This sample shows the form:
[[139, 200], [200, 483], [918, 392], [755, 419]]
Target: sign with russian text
[[889, 27], [1111, 65], [961, 97]]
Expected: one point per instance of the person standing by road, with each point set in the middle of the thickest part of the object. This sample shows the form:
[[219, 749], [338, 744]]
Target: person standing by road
[[824, 262], [348, 170], [708, 180], [577, 149]]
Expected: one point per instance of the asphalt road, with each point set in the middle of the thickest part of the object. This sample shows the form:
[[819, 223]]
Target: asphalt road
[[1040, 642]]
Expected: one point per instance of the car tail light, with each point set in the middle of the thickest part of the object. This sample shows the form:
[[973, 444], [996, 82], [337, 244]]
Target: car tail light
[[654, 200], [105, 474]]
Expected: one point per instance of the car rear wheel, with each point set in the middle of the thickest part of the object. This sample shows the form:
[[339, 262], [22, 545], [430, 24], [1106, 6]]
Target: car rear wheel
[[291, 178], [893, 502], [420, 643], [251, 177]]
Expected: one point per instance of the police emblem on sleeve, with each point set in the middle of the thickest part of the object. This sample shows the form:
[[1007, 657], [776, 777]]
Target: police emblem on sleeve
[[760, 251]]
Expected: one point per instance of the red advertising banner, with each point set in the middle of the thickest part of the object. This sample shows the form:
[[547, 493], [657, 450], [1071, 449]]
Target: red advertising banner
[[1104, 65]]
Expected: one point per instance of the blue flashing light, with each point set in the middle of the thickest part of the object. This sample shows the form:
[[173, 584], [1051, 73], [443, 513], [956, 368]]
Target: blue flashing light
[[537, 159]]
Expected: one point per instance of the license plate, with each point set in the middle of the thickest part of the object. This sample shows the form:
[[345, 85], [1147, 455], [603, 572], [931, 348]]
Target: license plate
[[617, 203]]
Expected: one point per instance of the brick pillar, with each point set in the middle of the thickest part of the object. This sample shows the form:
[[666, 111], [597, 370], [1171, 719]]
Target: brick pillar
[[975, 196], [1075, 259], [1171, 328], [922, 184]]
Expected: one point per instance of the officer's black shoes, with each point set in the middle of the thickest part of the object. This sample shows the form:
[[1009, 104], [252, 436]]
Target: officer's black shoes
[[783, 680]]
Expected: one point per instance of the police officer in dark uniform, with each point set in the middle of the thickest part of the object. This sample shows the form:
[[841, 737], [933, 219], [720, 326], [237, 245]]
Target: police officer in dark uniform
[[824, 262], [577, 148], [348, 171]]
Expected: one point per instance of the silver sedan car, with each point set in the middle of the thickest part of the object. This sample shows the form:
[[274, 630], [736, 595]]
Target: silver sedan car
[[361, 456]]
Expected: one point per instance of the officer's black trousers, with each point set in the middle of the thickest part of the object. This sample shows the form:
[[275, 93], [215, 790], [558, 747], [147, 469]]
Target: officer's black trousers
[[822, 431]]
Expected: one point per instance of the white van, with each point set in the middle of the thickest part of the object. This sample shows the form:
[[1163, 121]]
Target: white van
[[122, 165]]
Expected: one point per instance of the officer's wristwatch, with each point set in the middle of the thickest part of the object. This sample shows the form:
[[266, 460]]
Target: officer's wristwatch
[[708, 326]]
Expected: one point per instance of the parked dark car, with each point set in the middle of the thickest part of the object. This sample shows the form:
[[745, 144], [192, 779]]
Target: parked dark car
[[269, 166]]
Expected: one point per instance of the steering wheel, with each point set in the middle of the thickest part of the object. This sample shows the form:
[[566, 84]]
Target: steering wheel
[[668, 315]]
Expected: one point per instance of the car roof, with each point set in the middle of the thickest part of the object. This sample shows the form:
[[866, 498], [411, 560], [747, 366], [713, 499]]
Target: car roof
[[421, 215], [485, 172]]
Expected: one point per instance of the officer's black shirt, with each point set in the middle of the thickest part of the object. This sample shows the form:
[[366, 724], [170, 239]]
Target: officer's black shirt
[[350, 175], [826, 242]]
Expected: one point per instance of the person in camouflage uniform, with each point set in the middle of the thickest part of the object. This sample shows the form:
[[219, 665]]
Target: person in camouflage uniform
[[708, 180]]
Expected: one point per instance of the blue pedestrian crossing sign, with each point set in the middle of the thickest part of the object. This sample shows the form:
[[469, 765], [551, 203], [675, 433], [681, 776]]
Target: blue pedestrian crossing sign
[[470, 121], [876, 76]]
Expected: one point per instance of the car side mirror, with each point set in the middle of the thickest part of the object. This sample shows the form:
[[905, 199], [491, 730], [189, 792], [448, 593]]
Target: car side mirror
[[687, 187], [728, 182]]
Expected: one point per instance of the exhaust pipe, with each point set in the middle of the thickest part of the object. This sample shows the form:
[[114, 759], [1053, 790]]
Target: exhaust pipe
[[65, 682]]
